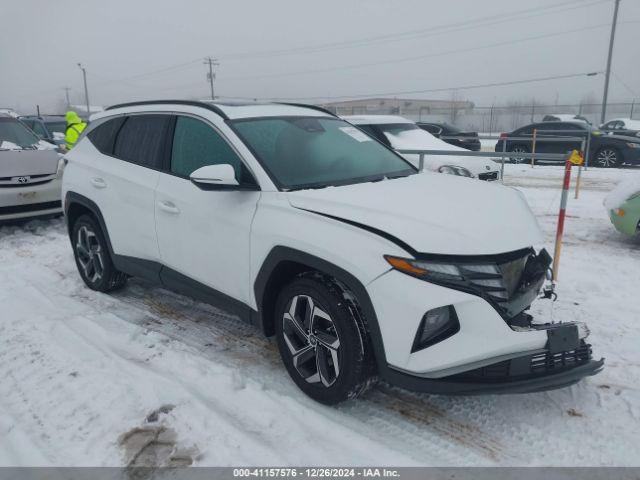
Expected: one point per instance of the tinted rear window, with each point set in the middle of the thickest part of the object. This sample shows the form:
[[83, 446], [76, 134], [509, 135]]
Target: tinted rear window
[[104, 135], [141, 139]]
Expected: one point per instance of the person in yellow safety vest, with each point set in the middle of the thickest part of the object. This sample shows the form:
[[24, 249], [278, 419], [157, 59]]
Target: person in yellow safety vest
[[75, 126]]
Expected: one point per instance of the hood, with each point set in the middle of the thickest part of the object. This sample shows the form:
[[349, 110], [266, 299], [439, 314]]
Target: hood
[[18, 163], [72, 117], [423, 140], [433, 213]]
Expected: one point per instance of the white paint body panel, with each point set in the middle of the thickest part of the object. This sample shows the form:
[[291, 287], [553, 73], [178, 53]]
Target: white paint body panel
[[433, 213]]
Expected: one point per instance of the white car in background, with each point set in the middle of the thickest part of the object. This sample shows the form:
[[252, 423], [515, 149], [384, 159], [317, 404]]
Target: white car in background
[[30, 173], [402, 134]]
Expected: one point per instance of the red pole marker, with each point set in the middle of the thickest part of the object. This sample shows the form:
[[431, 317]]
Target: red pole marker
[[574, 159]]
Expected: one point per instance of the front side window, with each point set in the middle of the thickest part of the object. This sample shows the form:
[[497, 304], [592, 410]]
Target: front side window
[[196, 144], [313, 152], [141, 139]]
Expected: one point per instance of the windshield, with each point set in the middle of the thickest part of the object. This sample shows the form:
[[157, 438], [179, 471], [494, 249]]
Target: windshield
[[314, 152], [13, 134], [57, 126]]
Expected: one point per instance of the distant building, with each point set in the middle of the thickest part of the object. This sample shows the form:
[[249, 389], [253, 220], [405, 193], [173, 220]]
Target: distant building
[[416, 109]]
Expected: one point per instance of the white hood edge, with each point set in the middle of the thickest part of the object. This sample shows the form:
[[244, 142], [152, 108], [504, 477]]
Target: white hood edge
[[433, 213]]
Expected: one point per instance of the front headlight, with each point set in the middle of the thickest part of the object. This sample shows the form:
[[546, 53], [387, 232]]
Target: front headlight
[[455, 170], [427, 270], [61, 165], [633, 145]]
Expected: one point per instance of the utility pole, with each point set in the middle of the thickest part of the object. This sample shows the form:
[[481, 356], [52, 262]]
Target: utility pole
[[86, 90], [66, 94], [608, 73], [212, 62]]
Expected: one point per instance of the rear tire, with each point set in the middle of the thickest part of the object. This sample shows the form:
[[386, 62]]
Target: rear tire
[[92, 256], [323, 340]]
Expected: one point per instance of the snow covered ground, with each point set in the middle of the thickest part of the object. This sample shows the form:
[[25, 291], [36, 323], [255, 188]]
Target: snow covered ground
[[145, 375]]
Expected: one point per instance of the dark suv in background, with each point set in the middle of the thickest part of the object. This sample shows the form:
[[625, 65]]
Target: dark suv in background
[[468, 140], [604, 150]]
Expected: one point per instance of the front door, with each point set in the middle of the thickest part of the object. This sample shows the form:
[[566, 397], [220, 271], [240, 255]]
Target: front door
[[205, 234]]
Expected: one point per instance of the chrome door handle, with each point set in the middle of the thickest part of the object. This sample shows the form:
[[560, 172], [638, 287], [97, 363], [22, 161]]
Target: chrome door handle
[[168, 207], [98, 182]]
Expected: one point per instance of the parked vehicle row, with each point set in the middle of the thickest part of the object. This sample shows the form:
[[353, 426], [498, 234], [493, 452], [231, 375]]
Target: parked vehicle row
[[402, 134], [604, 150], [361, 266]]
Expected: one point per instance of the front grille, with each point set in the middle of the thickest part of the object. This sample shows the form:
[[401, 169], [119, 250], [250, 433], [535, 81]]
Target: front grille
[[31, 207], [547, 362], [28, 180], [501, 286], [490, 176], [528, 366], [22, 185]]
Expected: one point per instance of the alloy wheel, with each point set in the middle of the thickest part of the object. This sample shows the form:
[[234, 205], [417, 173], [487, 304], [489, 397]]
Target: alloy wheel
[[518, 150], [607, 157], [312, 339], [89, 254]]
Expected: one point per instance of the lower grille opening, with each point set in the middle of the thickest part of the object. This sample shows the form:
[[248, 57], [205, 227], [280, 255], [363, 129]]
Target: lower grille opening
[[31, 207], [530, 366]]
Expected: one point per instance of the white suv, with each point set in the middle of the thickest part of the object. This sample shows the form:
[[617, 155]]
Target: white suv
[[316, 233]]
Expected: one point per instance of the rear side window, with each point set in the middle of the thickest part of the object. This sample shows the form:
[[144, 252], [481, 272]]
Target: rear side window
[[141, 139], [196, 144], [104, 135]]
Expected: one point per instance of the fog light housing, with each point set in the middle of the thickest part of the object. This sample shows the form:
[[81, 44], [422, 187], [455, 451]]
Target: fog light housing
[[436, 325]]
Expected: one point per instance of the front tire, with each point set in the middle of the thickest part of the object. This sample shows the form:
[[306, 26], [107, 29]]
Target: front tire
[[518, 149], [608, 157], [92, 256], [323, 340]]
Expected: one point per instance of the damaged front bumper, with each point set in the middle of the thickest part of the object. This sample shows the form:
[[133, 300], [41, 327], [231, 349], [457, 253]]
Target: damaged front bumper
[[565, 360]]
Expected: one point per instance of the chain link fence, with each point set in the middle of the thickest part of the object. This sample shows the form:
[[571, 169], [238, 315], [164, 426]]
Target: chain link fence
[[492, 119]]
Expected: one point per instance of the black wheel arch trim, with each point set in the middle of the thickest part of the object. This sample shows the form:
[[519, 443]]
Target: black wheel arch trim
[[280, 254]]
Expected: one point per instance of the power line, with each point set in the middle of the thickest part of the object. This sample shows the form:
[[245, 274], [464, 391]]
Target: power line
[[425, 56], [407, 35], [442, 89], [425, 32]]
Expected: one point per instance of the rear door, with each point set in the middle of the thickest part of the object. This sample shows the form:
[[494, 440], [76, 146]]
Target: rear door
[[125, 181], [204, 235]]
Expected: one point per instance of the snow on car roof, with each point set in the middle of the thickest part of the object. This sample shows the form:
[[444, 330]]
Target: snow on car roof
[[231, 109], [375, 119]]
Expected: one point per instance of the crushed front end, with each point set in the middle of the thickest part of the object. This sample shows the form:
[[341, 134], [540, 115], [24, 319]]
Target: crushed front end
[[475, 334]]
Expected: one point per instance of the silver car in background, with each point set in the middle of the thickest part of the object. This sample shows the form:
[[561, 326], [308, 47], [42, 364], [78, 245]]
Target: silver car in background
[[30, 173]]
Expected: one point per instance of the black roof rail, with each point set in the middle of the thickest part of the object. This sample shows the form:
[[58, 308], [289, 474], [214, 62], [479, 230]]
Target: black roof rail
[[312, 107], [192, 103]]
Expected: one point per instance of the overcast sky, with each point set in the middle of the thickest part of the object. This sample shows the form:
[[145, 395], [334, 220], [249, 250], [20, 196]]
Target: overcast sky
[[302, 49]]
